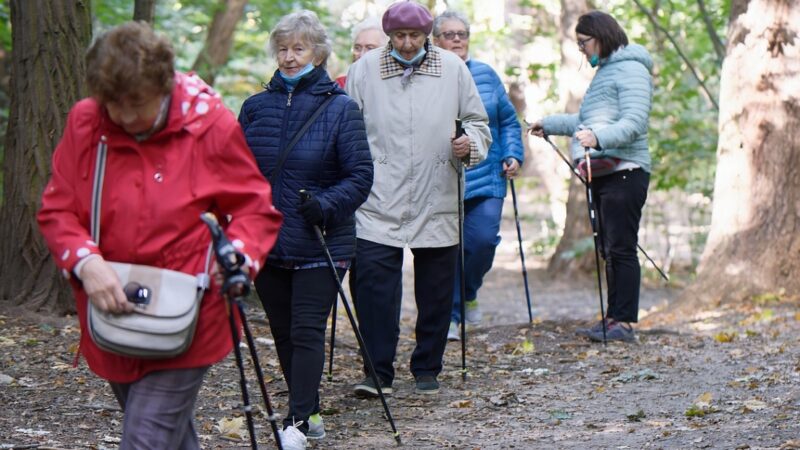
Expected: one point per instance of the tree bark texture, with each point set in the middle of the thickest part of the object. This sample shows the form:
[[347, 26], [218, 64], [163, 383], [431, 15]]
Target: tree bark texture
[[47, 71], [753, 245], [219, 41], [145, 10], [566, 261]]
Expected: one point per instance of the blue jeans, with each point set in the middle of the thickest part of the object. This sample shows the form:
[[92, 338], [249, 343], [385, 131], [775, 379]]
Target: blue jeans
[[481, 235]]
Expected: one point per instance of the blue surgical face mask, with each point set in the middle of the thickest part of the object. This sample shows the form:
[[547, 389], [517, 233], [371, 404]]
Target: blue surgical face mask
[[294, 79], [408, 62], [594, 60]]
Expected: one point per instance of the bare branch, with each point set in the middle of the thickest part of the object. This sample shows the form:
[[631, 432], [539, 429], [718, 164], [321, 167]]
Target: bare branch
[[680, 53], [719, 47]]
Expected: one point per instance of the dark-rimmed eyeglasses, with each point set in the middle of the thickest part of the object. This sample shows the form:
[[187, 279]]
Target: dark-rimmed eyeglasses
[[450, 35], [582, 42]]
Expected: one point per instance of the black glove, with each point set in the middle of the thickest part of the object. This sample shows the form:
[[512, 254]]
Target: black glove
[[311, 211]]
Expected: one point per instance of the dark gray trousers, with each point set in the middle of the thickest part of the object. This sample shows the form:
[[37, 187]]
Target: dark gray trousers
[[159, 410]]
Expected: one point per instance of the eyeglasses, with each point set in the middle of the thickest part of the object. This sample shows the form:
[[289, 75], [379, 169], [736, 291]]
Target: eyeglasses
[[450, 35], [582, 42]]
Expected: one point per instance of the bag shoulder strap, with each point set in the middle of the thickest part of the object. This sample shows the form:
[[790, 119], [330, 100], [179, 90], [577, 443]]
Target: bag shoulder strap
[[285, 152], [97, 197]]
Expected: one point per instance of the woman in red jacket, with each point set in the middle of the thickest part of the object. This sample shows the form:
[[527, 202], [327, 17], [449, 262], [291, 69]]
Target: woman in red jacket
[[174, 152]]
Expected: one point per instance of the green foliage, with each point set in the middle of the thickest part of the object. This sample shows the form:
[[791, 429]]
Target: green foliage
[[683, 125]]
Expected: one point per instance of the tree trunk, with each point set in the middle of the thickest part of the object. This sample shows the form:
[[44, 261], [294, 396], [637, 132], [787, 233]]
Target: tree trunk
[[571, 258], [47, 70], [145, 10], [753, 245], [219, 40]]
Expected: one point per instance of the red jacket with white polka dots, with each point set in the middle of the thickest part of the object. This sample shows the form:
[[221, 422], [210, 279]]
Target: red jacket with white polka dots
[[153, 194]]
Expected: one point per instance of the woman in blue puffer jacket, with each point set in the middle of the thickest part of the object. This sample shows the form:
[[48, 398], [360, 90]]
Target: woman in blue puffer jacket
[[486, 182], [612, 124], [331, 161]]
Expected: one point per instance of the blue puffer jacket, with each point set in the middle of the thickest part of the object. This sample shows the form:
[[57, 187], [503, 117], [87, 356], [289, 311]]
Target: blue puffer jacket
[[486, 179], [616, 108], [332, 161]]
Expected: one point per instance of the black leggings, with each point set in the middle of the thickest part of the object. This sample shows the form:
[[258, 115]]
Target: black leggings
[[297, 303], [620, 198]]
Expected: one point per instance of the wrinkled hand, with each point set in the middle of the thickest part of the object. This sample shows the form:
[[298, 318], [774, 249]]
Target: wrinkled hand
[[311, 211], [586, 138], [536, 129], [103, 287], [460, 146], [511, 168]]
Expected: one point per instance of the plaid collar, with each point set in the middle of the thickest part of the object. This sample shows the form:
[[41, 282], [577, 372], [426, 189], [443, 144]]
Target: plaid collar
[[431, 64]]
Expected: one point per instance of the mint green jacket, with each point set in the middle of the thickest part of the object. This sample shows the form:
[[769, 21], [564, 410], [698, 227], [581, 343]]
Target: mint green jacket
[[616, 108]]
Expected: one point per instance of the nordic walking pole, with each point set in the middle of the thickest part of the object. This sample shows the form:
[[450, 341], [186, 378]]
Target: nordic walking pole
[[462, 286], [521, 251], [305, 196], [333, 341], [583, 181], [596, 233], [235, 287]]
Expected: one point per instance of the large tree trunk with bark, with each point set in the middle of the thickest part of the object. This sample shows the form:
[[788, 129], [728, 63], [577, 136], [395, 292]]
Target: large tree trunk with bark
[[47, 70], [571, 258], [145, 10], [219, 40], [753, 246]]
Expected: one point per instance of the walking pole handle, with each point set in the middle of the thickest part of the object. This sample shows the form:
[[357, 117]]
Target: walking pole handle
[[588, 164]]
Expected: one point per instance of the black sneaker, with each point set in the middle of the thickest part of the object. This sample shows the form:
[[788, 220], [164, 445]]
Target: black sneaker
[[616, 331], [427, 385], [366, 389]]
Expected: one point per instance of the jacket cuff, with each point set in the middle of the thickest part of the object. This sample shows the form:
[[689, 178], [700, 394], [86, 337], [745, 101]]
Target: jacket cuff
[[474, 154]]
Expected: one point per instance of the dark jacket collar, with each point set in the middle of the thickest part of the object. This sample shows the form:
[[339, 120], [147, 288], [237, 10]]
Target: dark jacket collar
[[317, 82]]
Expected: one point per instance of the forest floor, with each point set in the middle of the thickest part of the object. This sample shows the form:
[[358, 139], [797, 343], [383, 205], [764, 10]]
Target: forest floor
[[726, 377]]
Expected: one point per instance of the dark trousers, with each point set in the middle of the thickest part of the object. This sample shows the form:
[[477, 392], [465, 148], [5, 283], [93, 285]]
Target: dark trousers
[[159, 410], [379, 294], [620, 198], [482, 217], [297, 303]]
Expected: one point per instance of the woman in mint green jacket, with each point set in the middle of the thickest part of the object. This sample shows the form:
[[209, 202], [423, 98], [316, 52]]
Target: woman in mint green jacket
[[612, 124]]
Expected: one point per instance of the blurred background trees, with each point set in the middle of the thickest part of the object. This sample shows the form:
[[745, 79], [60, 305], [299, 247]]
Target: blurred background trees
[[530, 43]]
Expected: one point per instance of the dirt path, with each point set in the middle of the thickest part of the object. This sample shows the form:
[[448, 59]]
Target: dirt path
[[723, 379]]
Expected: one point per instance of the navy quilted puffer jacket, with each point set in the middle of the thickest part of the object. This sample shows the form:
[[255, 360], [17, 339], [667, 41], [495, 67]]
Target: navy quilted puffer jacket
[[332, 161]]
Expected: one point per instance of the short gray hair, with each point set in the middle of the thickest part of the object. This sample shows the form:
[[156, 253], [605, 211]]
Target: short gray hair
[[306, 26], [448, 15], [370, 23]]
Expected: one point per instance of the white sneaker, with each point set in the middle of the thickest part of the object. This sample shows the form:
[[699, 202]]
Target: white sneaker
[[452, 333], [474, 314], [316, 428], [292, 438]]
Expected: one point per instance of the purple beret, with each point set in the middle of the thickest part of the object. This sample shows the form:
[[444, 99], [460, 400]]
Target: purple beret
[[407, 15]]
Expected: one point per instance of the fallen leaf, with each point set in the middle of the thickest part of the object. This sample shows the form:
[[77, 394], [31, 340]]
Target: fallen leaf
[[231, 428], [754, 405], [461, 404], [724, 337]]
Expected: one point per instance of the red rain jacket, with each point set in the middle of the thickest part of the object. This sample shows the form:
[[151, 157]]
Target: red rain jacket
[[153, 194]]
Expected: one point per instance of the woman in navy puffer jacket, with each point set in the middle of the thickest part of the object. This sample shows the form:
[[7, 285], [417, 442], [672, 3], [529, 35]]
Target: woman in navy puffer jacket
[[332, 162]]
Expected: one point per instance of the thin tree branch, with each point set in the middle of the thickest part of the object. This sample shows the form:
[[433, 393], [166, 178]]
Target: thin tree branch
[[719, 47], [680, 53]]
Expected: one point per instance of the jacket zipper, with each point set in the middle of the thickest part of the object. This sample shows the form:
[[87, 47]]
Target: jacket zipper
[[289, 100]]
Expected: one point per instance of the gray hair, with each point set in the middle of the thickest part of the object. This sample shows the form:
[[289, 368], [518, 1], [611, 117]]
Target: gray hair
[[306, 26], [370, 23], [448, 15]]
